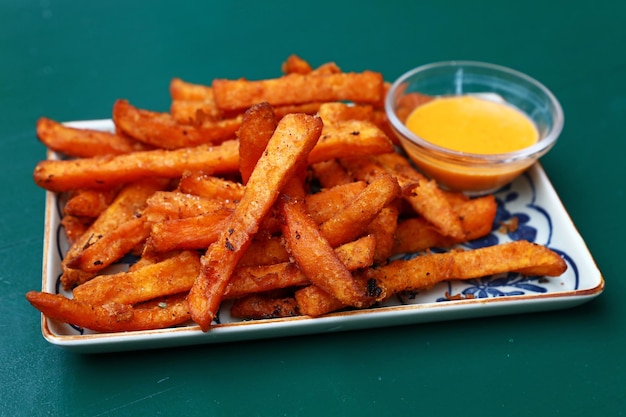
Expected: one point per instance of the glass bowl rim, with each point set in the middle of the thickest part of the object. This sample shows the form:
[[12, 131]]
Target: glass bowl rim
[[536, 150]]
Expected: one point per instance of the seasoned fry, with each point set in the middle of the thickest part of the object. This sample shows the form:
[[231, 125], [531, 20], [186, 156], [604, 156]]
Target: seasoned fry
[[130, 201], [75, 227], [205, 185], [196, 232], [296, 65], [111, 317], [260, 307], [330, 173], [422, 272], [286, 151], [284, 273], [238, 95], [170, 276], [424, 196], [353, 220], [183, 90], [168, 205], [161, 130], [84, 143], [417, 234], [108, 172], [315, 256], [256, 130], [350, 139], [112, 246], [89, 203]]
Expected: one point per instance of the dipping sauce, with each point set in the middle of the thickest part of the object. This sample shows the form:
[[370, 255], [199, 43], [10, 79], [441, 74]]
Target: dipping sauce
[[473, 125]]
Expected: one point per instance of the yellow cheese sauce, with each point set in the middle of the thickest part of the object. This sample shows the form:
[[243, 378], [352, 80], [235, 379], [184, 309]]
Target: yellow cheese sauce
[[474, 125], [471, 125]]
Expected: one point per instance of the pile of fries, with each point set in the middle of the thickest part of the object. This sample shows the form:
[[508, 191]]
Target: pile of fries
[[286, 195]]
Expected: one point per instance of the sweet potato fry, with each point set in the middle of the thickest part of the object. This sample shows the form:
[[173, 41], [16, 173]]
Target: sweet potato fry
[[161, 130], [315, 256], [296, 65], [205, 185], [197, 232], [259, 307], [170, 276], [183, 90], [168, 205], [75, 227], [384, 228], [350, 139], [108, 172], [286, 152], [422, 272], [417, 234], [238, 95], [112, 246], [353, 220], [329, 201], [111, 317], [257, 128], [89, 203], [337, 112], [284, 273], [424, 196], [330, 173], [130, 201], [314, 301], [84, 143]]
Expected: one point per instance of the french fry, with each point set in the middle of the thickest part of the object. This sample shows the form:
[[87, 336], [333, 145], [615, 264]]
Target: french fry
[[424, 195], [238, 95], [350, 139], [129, 201], [417, 234], [108, 172], [197, 232], [260, 307], [256, 130], [89, 203], [205, 185], [330, 173], [168, 205], [286, 151], [284, 273], [161, 130], [384, 228], [423, 272], [170, 276], [353, 220], [112, 246], [84, 143], [338, 112], [183, 90], [314, 301], [111, 317], [315, 256], [296, 65], [75, 227]]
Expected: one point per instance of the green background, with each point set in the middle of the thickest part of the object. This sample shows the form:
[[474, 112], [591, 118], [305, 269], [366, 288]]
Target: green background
[[71, 60]]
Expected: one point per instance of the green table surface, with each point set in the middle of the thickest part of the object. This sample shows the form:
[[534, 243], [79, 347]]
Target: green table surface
[[71, 60]]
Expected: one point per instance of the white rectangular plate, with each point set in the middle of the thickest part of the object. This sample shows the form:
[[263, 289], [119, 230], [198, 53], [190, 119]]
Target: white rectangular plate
[[531, 198]]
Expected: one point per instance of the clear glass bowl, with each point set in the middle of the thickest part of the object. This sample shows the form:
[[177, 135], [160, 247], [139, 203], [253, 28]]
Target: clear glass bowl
[[473, 173]]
